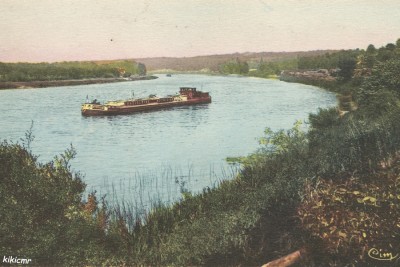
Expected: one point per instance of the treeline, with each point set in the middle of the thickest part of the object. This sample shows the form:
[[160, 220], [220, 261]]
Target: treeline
[[259, 68], [347, 63], [25, 72], [212, 63], [331, 191], [328, 60], [345, 59], [235, 66]]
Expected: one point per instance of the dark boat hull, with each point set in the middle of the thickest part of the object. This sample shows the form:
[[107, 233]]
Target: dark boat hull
[[122, 110]]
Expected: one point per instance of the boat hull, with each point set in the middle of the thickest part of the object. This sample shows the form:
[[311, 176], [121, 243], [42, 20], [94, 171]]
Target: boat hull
[[122, 110]]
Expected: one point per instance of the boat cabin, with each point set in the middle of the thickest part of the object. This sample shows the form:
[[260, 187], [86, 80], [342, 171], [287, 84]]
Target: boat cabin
[[187, 90], [191, 92]]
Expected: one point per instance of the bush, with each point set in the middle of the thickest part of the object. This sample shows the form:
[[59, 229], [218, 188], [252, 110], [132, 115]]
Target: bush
[[43, 216]]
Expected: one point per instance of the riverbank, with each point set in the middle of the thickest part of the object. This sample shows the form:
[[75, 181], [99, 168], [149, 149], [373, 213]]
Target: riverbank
[[322, 77], [56, 83], [267, 211]]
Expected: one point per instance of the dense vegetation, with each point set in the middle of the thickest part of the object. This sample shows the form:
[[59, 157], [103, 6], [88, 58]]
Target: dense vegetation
[[212, 63], [333, 190], [266, 69], [350, 64], [235, 66], [24, 72], [344, 60]]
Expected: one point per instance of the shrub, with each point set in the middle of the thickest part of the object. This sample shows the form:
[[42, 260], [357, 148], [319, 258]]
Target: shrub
[[43, 216]]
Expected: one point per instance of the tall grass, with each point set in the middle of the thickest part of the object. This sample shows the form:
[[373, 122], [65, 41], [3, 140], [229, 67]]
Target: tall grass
[[136, 196]]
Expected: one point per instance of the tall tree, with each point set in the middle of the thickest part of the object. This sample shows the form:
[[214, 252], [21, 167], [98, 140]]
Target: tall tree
[[347, 65], [371, 49], [142, 69]]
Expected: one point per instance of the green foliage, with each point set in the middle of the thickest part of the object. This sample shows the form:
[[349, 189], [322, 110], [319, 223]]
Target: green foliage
[[34, 201], [328, 60], [368, 59], [371, 49], [346, 64], [282, 141], [385, 76], [355, 143], [235, 222], [14, 72], [234, 67], [344, 60], [360, 140], [43, 216], [141, 69], [271, 68], [243, 220]]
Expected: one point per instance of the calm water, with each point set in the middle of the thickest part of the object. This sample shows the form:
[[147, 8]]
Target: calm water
[[146, 155]]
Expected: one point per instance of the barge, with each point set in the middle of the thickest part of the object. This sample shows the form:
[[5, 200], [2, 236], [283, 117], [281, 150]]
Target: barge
[[187, 96]]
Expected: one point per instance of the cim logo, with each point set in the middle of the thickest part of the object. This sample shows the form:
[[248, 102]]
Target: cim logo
[[15, 260], [382, 255]]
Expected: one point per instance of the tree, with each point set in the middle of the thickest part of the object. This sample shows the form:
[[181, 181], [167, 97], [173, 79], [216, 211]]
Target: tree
[[244, 68], [347, 65], [371, 49], [385, 75], [384, 54], [397, 50], [391, 47], [141, 69], [369, 58], [235, 67]]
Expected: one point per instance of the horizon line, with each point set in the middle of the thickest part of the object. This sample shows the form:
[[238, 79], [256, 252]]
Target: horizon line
[[178, 57]]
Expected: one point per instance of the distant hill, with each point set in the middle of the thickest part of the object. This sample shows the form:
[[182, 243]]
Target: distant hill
[[211, 62]]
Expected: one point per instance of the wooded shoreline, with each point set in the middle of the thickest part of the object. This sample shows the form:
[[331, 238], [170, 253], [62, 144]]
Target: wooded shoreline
[[54, 83]]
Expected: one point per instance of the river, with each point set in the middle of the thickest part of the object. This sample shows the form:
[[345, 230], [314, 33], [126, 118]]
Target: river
[[153, 156]]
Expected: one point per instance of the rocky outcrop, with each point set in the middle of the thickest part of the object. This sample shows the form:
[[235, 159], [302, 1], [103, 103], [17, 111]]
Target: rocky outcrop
[[309, 76]]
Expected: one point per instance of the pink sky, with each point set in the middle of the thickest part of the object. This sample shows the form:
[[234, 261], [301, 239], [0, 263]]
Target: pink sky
[[63, 30]]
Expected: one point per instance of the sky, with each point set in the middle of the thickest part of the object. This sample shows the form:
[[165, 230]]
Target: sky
[[65, 30]]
